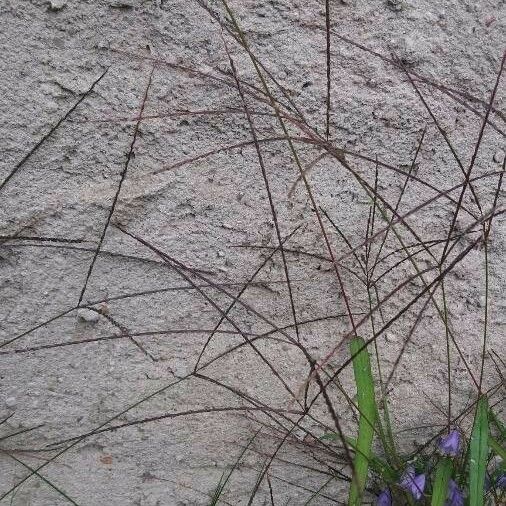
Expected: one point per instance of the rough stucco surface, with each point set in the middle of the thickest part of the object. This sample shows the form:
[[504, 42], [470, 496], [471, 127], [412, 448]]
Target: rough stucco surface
[[198, 213]]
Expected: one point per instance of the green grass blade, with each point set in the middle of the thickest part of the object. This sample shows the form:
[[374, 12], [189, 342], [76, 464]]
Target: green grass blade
[[390, 448], [478, 453], [496, 447], [368, 413], [218, 491], [376, 464], [499, 425], [318, 492], [444, 470]]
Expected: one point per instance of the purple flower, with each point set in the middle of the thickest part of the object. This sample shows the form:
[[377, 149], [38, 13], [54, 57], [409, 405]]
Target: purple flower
[[501, 481], [385, 498], [450, 445], [455, 497], [414, 484]]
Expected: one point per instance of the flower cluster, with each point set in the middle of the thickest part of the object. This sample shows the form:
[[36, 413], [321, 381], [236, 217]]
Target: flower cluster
[[455, 496], [450, 445], [414, 484], [385, 498]]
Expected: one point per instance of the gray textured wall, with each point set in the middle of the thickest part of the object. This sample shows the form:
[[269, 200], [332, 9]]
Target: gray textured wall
[[199, 212]]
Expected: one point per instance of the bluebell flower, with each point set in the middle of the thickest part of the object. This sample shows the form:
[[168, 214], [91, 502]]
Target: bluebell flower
[[450, 444], [385, 498], [455, 497], [413, 483]]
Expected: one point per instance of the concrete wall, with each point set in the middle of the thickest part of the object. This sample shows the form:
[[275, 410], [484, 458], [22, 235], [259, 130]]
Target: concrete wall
[[199, 212]]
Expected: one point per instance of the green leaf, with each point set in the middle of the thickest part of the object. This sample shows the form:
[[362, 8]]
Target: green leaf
[[444, 470], [478, 453], [368, 414]]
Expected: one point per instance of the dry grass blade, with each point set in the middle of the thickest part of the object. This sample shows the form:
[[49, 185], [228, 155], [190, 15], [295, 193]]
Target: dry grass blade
[[52, 130], [118, 189], [382, 227]]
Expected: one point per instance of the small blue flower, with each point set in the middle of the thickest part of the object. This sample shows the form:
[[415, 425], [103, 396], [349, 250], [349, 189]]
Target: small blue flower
[[385, 498], [413, 483], [455, 497], [450, 445]]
